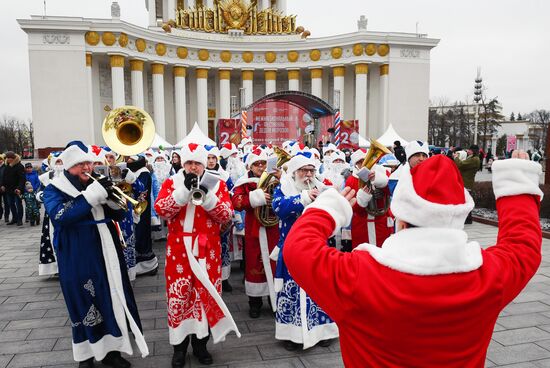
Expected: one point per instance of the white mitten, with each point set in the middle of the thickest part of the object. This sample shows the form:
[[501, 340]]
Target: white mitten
[[363, 198], [180, 193], [257, 198], [95, 194]]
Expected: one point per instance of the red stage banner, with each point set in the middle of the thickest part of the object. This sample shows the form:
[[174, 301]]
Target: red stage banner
[[349, 135], [274, 122], [229, 131]]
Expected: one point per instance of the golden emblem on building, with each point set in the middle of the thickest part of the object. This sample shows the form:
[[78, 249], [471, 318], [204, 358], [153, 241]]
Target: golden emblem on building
[[240, 15]]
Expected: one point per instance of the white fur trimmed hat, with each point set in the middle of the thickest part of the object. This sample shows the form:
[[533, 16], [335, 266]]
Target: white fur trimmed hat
[[357, 155], [75, 153], [329, 147], [338, 155], [194, 152], [212, 150], [228, 149], [432, 194], [414, 147], [255, 155], [300, 160]]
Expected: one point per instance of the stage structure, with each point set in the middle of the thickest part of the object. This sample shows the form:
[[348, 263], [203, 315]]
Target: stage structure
[[195, 55]]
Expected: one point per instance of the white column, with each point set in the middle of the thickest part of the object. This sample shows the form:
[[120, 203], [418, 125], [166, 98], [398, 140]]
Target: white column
[[384, 95], [361, 82], [294, 80], [317, 82], [171, 9], [270, 81], [202, 99], [136, 67], [158, 98], [152, 13], [181, 106], [117, 80], [90, 97], [339, 84], [248, 85], [225, 94]]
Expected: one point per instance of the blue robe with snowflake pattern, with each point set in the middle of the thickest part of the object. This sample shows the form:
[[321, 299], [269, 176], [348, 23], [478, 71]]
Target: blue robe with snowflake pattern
[[298, 318]]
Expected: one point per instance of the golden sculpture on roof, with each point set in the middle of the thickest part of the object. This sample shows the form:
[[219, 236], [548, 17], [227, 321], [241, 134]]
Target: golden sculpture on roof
[[227, 15]]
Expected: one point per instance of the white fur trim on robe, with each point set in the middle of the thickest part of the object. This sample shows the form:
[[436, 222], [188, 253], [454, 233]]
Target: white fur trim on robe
[[85, 350], [427, 251], [515, 176]]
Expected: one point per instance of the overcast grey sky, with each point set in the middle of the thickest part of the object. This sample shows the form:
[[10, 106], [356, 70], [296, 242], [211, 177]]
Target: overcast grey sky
[[508, 39]]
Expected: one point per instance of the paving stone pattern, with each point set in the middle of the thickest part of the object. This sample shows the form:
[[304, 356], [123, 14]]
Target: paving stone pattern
[[35, 330]]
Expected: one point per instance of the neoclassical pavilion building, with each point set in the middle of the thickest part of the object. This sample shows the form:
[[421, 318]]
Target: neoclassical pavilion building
[[195, 55]]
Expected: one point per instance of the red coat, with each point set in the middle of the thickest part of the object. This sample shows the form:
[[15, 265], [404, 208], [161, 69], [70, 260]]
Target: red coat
[[391, 318], [186, 294], [255, 280], [360, 220]]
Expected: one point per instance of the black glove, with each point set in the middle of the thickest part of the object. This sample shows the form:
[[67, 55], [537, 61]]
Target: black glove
[[107, 184], [190, 181], [204, 189], [123, 174]]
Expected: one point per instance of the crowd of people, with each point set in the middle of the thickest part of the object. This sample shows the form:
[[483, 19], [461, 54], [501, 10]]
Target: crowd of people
[[372, 254]]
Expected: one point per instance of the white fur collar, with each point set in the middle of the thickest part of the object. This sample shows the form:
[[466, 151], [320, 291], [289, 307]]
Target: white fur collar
[[142, 170], [427, 251], [63, 184]]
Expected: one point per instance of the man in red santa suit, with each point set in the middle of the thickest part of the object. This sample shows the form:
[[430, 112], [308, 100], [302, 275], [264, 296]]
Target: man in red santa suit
[[428, 297], [366, 227], [259, 241], [193, 260]]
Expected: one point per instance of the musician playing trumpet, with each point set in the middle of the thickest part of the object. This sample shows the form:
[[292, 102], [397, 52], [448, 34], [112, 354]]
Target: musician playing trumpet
[[196, 204], [98, 294], [367, 227], [293, 324]]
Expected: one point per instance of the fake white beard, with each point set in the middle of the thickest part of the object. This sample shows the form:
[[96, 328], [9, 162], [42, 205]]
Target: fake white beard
[[162, 170], [337, 168], [301, 184]]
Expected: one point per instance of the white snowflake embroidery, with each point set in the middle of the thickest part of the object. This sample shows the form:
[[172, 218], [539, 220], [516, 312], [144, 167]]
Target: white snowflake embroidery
[[93, 317], [208, 266], [212, 254], [209, 223], [168, 251], [89, 285], [296, 201], [179, 268]]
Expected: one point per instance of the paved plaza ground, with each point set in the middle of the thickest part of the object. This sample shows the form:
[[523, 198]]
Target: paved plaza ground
[[35, 330]]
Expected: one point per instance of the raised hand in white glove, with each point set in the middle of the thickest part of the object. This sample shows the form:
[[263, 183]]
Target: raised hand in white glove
[[95, 194]]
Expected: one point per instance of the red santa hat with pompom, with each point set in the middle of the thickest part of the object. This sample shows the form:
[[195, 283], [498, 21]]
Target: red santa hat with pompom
[[432, 194], [194, 152]]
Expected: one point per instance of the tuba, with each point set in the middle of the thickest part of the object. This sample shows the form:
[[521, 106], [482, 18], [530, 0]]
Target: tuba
[[128, 130], [268, 183], [374, 154]]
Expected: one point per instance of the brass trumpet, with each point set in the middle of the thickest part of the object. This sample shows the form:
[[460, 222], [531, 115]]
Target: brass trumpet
[[118, 196], [374, 154], [197, 195]]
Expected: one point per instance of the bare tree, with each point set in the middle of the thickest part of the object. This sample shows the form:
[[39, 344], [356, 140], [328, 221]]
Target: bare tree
[[15, 134], [540, 118]]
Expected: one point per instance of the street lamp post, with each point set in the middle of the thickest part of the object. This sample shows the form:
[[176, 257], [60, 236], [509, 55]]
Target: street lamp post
[[477, 98]]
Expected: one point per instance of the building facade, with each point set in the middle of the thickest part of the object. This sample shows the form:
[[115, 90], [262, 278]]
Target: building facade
[[196, 55]]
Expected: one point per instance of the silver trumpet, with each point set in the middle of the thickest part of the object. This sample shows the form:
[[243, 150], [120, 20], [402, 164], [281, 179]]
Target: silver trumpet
[[197, 195]]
